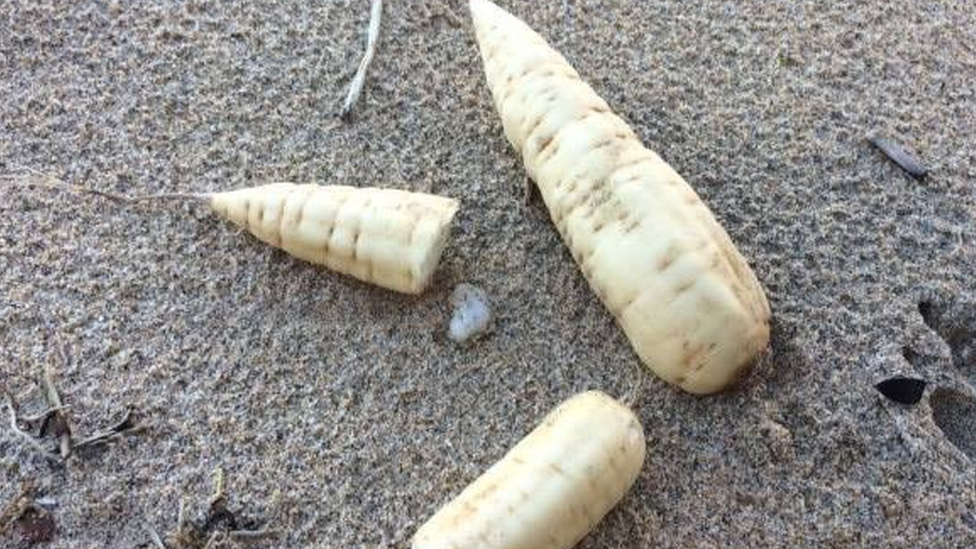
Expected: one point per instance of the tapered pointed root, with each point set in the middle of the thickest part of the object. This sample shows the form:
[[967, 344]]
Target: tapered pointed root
[[387, 237], [651, 250]]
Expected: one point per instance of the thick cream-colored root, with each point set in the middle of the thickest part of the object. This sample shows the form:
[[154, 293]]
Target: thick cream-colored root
[[387, 237], [552, 488], [649, 247]]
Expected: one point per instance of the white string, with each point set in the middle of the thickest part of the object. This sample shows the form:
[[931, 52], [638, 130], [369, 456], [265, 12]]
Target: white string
[[372, 34]]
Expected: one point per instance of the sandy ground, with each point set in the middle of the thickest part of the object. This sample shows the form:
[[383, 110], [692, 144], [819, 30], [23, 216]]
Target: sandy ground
[[340, 414]]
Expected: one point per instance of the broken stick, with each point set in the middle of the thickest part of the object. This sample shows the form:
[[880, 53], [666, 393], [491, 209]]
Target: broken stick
[[122, 427], [60, 424], [12, 410]]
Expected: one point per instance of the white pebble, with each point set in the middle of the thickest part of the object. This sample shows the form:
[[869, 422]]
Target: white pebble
[[472, 314]]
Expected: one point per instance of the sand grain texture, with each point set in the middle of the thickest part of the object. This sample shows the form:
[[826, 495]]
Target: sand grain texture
[[351, 403]]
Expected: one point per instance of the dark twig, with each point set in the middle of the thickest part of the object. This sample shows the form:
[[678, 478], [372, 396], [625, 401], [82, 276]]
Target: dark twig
[[372, 36], [218, 495], [153, 535], [12, 410], [62, 426], [49, 181], [216, 539], [122, 427], [253, 534], [449, 15], [43, 416]]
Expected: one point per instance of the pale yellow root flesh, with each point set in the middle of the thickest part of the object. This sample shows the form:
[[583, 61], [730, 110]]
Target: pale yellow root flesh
[[386, 237], [552, 488], [650, 248]]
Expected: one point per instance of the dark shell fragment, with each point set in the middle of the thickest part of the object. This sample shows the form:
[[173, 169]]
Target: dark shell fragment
[[903, 390]]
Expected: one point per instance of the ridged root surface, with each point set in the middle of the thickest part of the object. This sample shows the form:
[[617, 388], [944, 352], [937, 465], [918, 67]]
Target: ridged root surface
[[387, 237], [552, 488], [650, 248]]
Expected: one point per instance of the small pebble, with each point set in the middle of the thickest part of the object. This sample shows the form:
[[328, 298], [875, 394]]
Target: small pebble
[[47, 503], [472, 314]]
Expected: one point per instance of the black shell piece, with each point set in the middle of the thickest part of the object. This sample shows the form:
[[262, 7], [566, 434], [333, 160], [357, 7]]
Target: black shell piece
[[897, 154], [903, 390]]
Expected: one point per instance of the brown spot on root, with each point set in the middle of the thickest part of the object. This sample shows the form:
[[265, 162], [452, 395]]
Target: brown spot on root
[[584, 115], [585, 261], [683, 288], [670, 255], [557, 469], [485, 492], [363, 211], [327, 245], [279, 222], [247, 215], [577, 203], [697, 359], [632, 226], [464, 514], [716, 261], [557, 218], [533, 127], [544, 144], [545, 155], [603, 197]]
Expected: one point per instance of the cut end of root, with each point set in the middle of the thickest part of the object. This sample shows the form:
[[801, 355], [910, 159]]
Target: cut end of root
[[432, 255]]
